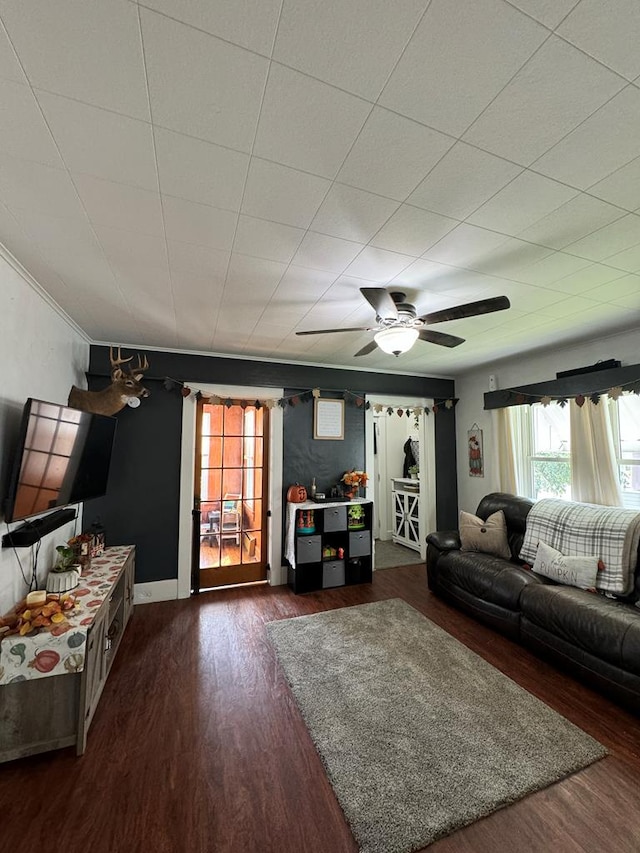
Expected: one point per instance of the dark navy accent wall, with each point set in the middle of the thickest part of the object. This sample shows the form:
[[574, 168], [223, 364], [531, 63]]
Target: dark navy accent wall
[[326, 460], [142, 504]]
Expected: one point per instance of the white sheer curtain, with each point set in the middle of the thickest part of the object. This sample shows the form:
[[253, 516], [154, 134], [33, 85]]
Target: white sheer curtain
[[506, 450], [594, 469]]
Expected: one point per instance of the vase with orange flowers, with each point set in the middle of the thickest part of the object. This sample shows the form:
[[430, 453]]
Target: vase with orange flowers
[[354, 480]]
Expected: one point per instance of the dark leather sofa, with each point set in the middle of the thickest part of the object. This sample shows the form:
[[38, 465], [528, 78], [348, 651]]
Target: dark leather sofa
[[595, 638]]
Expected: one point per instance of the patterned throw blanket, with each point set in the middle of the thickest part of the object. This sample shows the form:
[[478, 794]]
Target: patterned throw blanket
[[586, 530]]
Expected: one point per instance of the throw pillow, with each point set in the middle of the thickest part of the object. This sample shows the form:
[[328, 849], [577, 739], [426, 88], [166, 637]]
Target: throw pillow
[[489, 537], [572, 571]]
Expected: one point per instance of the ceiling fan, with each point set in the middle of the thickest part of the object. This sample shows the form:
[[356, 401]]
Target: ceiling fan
[[398, 327]]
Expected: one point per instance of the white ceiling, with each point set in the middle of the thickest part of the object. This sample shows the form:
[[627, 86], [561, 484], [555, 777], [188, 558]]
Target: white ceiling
[[215, 175]]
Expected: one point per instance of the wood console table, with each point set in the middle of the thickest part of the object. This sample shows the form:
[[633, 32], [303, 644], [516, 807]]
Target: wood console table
[[40, 711]]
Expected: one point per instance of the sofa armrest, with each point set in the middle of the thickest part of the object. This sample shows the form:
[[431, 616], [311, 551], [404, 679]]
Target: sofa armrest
[[444, 540], [438, 543]]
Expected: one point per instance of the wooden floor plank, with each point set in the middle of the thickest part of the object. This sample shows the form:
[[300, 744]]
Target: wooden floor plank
[[198, 746]]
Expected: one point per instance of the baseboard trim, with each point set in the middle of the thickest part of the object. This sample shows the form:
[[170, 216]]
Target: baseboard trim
[[147, 593]]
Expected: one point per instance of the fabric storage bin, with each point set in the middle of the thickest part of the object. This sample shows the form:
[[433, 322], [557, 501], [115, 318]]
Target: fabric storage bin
[[309, 549], [335, 518], [333, 573], [359, 543]]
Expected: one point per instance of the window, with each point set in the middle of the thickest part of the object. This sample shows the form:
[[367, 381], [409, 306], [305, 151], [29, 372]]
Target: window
[[546, 466], [625, 416], [543, 448]]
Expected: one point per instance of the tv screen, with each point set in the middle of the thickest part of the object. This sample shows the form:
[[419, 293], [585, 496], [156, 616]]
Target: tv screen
[[63, 457]]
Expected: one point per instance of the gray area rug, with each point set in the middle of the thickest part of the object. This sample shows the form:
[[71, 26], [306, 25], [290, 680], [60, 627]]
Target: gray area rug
[[419, 735], [388, 555]]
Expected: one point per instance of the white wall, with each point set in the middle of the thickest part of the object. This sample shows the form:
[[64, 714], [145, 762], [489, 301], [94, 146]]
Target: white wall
[[42, 355], [471, 387]]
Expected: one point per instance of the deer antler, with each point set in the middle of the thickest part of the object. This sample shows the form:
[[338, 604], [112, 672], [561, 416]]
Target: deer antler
[[141, 366], [116, 362]]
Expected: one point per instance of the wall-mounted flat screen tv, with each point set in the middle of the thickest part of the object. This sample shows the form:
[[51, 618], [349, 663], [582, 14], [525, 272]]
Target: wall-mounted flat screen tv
[[62, 457]]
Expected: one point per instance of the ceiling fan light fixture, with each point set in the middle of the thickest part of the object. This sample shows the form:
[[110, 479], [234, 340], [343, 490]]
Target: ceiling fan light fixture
[[396, 339]]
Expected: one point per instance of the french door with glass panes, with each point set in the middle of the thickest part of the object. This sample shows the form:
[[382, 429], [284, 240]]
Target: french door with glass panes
[[231, 449]]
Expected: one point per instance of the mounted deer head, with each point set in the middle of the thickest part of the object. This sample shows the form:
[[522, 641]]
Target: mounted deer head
[[125, 385]]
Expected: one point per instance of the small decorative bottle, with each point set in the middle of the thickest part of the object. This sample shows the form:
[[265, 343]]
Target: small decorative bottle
[[312, 490]]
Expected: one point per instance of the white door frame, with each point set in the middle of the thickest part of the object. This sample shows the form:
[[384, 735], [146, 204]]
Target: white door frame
[[276, 575], [427, 475]]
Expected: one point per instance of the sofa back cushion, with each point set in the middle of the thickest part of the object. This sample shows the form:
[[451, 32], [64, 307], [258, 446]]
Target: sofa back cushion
[[515, 509]]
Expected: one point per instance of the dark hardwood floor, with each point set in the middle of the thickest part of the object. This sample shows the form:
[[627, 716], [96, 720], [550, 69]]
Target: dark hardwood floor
[[197, 745]]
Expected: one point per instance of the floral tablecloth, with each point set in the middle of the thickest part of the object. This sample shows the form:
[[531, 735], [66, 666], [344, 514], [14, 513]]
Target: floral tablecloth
[[60, 649]]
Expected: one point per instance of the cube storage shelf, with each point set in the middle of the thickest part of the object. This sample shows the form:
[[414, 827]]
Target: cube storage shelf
[[334, 550]]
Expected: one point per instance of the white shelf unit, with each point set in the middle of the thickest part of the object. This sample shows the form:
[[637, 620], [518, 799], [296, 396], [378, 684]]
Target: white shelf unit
[[405, 497]]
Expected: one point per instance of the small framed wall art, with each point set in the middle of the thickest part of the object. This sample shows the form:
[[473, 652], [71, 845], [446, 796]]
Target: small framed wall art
[[476, 453], [328, 419]]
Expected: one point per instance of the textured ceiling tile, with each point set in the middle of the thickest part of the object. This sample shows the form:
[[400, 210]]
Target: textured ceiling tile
[[200, 171], [378, 264], [548, 12], [250, 23], [621, 288], [571, 221], [556, 90], [32, 186], [628, 260], [351, 45], [192, 260], [326, 253], [463, 180], [307, 124], [610, 32], [592, 150], [551, 268], [190, 222], [465, 245], [412, 231], [88, 51], [622, 187], [101, 143], [454, 50], [392, 155], [585, 279], [9, 66], [23, 131], [264, 239], [201, 85], [524, 201], [352, 214], [282, 194], [120, 205], [615, 237]]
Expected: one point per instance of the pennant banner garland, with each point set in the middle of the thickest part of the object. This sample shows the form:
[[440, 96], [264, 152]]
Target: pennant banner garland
[[306, 397], [516, 397]]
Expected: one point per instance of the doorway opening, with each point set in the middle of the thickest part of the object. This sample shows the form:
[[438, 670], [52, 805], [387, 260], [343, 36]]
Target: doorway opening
[[404, 502], [231, 494]]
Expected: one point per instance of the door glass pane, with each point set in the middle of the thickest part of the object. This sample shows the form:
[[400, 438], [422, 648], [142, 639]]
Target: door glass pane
[[232, 482], [232, 452], [211, 452], [252, 511], [212, 420], [233, 419], [210, 484]]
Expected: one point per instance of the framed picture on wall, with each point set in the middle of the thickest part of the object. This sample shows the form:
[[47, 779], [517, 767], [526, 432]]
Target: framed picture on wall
[[328, 419], [476, 452]]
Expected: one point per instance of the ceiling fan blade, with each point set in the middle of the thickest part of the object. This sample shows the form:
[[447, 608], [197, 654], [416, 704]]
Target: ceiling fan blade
[[433, 337], [470, 309], [381, 302], [367, 348], [331, 331]]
